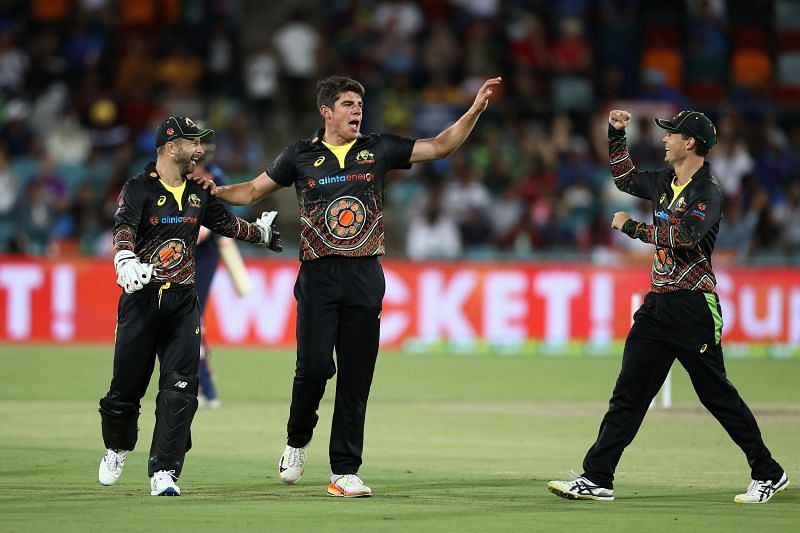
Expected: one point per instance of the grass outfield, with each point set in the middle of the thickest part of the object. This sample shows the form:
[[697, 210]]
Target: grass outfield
[[454, 443]]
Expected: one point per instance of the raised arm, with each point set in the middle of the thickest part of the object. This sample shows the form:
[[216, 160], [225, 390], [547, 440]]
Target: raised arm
[[454, 136], [627, 177]]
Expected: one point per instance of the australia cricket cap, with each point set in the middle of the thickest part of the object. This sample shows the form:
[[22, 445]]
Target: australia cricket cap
[[175, 127], [693, 124]]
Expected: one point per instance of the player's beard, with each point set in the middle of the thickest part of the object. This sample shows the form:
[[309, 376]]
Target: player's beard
[[184, 163]]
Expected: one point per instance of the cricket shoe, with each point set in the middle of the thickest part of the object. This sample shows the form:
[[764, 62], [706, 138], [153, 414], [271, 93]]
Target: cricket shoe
[[292, 464], [349, 486], [111, 466], [762, 491], [581, 488], [163, 484], [208, 403]]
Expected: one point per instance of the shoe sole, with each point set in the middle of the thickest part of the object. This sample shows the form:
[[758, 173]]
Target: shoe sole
[[167, 492], [108, 483], [335, 491], [782, 488], [289, 481], [572, 496]]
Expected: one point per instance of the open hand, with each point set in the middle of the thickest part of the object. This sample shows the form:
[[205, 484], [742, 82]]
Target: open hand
[[485, 92], [206, 183]]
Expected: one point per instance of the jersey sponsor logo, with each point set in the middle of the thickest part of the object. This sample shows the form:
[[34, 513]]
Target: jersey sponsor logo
[[701, 206], [365, 156], [311, 183], [343, 178], [169, 255], [663, 215], [696, 213], [319, 161], [344, 217], [178, 220], [161, 200], [153, 220], [193, 200]]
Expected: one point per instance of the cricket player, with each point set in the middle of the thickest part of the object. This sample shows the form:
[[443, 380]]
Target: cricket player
[[155, 234], [339, 175], [681, 317]]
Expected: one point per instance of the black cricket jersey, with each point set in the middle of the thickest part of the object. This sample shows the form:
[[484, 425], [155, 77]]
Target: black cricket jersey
[[341, 194], [685, 220], [161, 226]]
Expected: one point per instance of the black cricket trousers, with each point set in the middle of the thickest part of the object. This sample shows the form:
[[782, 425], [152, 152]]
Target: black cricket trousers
[[339, 302], [158, 319], [686, 325]]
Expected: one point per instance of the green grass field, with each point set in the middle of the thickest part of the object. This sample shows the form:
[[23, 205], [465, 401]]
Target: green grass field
[[454, 443]]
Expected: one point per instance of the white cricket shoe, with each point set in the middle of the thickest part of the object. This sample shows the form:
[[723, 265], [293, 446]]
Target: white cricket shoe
[[292, 464], [349, 486], [204, 403], [762, 491], [163, 484], [581, 488], [111, 466]]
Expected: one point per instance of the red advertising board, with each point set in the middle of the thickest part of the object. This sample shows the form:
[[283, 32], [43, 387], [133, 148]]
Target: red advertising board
[[496, 303]]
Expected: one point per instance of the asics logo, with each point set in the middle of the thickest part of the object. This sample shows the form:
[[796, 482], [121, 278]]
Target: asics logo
[[703, 348]]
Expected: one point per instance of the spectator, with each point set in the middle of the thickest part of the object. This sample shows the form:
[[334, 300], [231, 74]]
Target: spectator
[[261, 82], [9, 185], [432, 231]]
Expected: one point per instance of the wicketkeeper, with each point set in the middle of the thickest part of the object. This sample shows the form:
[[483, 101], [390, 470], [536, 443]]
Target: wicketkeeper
[[155, 235]]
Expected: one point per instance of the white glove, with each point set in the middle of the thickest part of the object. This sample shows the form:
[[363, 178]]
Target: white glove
[[270, 236], [131, 274]]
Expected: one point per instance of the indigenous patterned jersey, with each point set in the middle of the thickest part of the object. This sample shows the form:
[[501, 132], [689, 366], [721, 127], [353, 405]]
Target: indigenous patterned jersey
[[160, 224], [685, 219], [340, 192]]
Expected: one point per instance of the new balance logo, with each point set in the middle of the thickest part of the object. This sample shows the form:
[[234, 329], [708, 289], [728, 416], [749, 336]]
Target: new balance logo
[[181, 384]]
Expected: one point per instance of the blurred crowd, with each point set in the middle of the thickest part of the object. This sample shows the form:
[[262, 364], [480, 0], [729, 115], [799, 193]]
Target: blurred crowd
[[83, 83]]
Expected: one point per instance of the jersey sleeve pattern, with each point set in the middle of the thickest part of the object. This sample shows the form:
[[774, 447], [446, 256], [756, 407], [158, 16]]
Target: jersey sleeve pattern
[[221, 221]]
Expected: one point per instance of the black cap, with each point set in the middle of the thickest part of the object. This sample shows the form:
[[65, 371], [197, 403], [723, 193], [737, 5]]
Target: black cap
[[693, 124], [175, 127]]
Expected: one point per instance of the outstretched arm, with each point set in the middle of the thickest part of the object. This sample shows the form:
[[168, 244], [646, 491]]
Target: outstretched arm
[[451, 138], [242, 193]]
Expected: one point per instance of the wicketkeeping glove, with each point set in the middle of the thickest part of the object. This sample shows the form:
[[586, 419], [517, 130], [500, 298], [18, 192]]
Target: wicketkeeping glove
[[131, 274], [270, 236]]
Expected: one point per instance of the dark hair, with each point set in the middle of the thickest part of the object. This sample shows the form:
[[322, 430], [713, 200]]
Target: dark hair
[[329, 89], [699, 146]]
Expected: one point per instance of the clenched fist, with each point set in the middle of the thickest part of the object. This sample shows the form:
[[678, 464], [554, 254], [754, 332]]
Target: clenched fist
[[619, 119]]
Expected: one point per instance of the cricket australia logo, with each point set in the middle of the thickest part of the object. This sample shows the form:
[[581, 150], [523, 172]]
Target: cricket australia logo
[[365, 156], [344, 217], [193, 200]]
